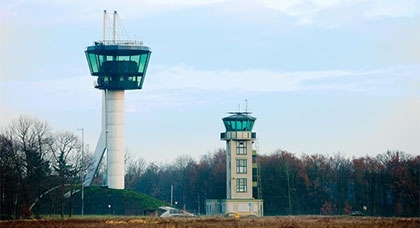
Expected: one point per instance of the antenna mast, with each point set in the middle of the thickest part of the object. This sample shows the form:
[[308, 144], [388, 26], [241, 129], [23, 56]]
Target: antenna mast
[[114, 29], [246, 105], [104, 28]]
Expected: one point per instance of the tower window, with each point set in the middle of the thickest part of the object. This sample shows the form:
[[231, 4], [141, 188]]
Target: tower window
[[241, 166], [241, 147], [241, 185]]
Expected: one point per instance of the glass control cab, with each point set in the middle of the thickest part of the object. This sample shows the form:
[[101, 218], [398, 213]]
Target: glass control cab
[[239, 121], [118, 66]]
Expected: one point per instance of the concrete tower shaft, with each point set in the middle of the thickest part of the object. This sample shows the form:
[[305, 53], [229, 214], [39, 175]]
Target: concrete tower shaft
[[239, 173], [115, 138]]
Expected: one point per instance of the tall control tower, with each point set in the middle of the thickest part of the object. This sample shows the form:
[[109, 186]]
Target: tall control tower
[[118, 65]]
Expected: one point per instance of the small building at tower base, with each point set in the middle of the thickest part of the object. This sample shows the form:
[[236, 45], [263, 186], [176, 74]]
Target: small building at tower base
[[235, 207]]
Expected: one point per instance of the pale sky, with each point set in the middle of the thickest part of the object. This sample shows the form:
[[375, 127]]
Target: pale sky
[[322, 76]]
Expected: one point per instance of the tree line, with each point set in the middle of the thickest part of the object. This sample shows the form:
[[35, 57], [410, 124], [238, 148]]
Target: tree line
[[385, 185], [35, 160]]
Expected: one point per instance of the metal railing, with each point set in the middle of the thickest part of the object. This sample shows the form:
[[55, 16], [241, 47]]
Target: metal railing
[[118, 42]]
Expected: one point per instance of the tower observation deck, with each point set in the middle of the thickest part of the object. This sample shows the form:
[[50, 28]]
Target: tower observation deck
[[118, 65]]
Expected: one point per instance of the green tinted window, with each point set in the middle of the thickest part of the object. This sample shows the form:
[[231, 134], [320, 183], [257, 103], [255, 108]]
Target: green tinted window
[[142, 62], [123, 58], [135, 58], [250, 124], [93, 63], [102, 59], [239, 125], [139, 81], [228, 125]]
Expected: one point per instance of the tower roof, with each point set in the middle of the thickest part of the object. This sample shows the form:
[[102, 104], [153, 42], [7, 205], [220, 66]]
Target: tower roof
[[118, 47]]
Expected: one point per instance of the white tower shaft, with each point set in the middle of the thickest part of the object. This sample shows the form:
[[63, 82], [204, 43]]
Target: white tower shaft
[[115, 138]]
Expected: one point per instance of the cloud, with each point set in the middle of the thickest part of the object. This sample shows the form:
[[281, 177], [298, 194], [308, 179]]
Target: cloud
[[166, 88], [261, 80], [68, 93], [44, 12], [340, 13], [303, 11], [180, 85], [388, 8]]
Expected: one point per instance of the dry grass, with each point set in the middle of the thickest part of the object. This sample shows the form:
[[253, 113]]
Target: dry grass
[[218, 222]]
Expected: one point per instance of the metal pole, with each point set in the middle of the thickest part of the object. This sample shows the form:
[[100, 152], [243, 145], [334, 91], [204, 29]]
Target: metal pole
[[83, 188], [104, 26], [172, 195], [115, 27], [105, 125]]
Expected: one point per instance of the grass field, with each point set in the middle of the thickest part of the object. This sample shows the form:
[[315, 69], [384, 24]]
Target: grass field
[[216, 222]]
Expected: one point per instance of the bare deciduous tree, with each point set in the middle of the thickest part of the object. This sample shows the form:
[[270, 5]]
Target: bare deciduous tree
[[66, 151], [31, 137]]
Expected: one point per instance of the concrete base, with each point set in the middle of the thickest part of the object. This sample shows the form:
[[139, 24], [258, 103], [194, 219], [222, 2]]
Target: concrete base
[[235, 207]]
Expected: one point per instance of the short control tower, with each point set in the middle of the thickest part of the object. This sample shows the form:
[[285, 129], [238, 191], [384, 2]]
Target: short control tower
[[118, 65], [241, 169]]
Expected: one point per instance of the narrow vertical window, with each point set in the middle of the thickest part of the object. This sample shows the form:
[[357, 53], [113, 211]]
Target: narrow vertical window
[[241, 166], [241, 185], [241, 147]]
